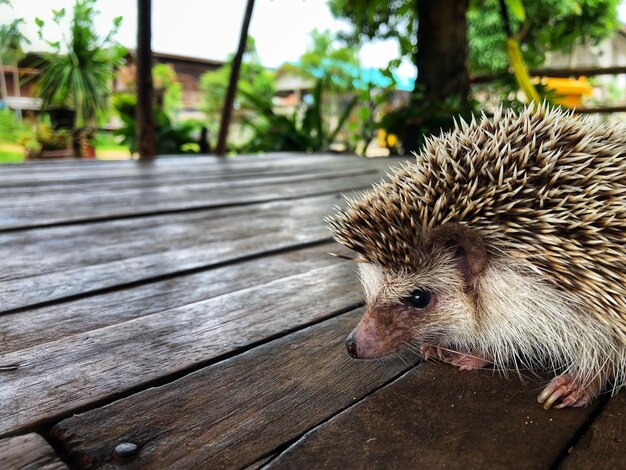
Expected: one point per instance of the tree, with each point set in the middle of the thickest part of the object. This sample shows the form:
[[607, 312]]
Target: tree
[[547, 25], [78, 72], [11, 40], [438, 46], [324, 58], [170, 89], [253, 78]]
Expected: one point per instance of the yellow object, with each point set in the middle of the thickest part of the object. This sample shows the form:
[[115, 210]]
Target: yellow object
[[520, 71], [569, 92], [386, 141]]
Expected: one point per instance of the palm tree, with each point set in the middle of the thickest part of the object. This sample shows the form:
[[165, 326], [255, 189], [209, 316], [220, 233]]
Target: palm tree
[[11, 40], [78, 73]]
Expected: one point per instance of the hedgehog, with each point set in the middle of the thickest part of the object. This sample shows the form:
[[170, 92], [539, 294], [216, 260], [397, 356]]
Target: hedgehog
[[502, 246]]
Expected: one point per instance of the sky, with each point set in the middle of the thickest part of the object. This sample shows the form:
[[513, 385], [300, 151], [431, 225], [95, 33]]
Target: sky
[[210, 28]]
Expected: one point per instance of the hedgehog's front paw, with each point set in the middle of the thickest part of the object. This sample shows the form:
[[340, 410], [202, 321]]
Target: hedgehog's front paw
[[565, 391], [461, 360]]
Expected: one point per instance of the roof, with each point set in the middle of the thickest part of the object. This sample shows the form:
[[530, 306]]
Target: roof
[[180, 58], [363, 77]]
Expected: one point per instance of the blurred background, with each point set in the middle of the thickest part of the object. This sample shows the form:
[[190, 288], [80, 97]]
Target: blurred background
[[365, 77]]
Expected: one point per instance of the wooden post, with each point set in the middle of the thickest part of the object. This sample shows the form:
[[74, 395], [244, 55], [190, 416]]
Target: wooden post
[[146, 144], [227, 110], [3, 82]]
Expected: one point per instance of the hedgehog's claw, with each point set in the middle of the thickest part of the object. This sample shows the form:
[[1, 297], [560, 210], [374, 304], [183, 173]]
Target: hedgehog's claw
[[428, 351], [564, 391], [461, 360]]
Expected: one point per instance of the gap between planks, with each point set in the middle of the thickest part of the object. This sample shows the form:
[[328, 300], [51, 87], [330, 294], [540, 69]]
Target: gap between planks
[[440, 417], [14, 223], [284, 387], [75, 371]]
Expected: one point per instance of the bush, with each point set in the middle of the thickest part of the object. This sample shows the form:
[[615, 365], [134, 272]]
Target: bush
[[170, 138], [413, 123], [11, 130]]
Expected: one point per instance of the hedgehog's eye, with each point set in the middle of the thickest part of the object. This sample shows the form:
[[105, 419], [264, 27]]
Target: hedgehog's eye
[[419, 298]]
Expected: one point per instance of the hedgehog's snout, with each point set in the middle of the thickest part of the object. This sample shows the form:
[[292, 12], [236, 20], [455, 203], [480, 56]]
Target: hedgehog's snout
[[364, 343], [351, 345]]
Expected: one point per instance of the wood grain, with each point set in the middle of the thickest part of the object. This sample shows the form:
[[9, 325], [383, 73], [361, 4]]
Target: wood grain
[[438, 417], [192, 175], [54, 379], [156, 187], [26, 178], [66, 261], [26, 329], [233, 413], [44, 173], [28, 452], [145, 201], [603, 445]]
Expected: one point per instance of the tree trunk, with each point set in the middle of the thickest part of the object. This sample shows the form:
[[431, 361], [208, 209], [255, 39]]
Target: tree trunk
[[227, 110], [16, 88], [441, 51], [146, 143]]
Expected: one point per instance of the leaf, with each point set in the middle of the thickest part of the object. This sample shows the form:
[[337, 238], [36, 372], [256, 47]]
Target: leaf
[[58, 15], [117, 21], [474, 5], [516, 7], [39, 22]]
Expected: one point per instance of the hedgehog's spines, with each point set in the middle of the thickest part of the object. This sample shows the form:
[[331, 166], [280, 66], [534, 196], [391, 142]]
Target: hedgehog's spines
[[544, 187]]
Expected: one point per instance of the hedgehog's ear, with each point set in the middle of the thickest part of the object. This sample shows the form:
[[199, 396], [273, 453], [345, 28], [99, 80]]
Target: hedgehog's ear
[[468, 245]]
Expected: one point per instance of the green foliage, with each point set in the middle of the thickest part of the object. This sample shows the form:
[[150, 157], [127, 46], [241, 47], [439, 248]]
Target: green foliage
[[11, 130], [371, 100], [254, 79], [413, 123], [10, 156], [382, 19], [11, 41], [304, 130], [516, 8], [170, 138], [78, 73], [540, 25], [324, 59], [337, 69], [549, 25], [51, 139], [165, 79]]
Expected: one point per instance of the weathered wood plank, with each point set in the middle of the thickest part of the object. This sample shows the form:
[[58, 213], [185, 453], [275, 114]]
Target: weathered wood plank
[[37, 196], [56, 188], [439, 417], [28, 452], [90, 172], [100, 191], [233, 413], [54, 379], [178, 163], [66, 261], [159, 199], [603, 445], [29, 328]]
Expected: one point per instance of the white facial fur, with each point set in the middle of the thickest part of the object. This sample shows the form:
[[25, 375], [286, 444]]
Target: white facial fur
[[512, 318]]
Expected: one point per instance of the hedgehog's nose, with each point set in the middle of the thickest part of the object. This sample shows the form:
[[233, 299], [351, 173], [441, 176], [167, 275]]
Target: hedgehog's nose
[[351, 345]]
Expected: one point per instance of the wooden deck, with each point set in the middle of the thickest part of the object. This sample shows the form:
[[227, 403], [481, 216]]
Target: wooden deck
[[188, 310]]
